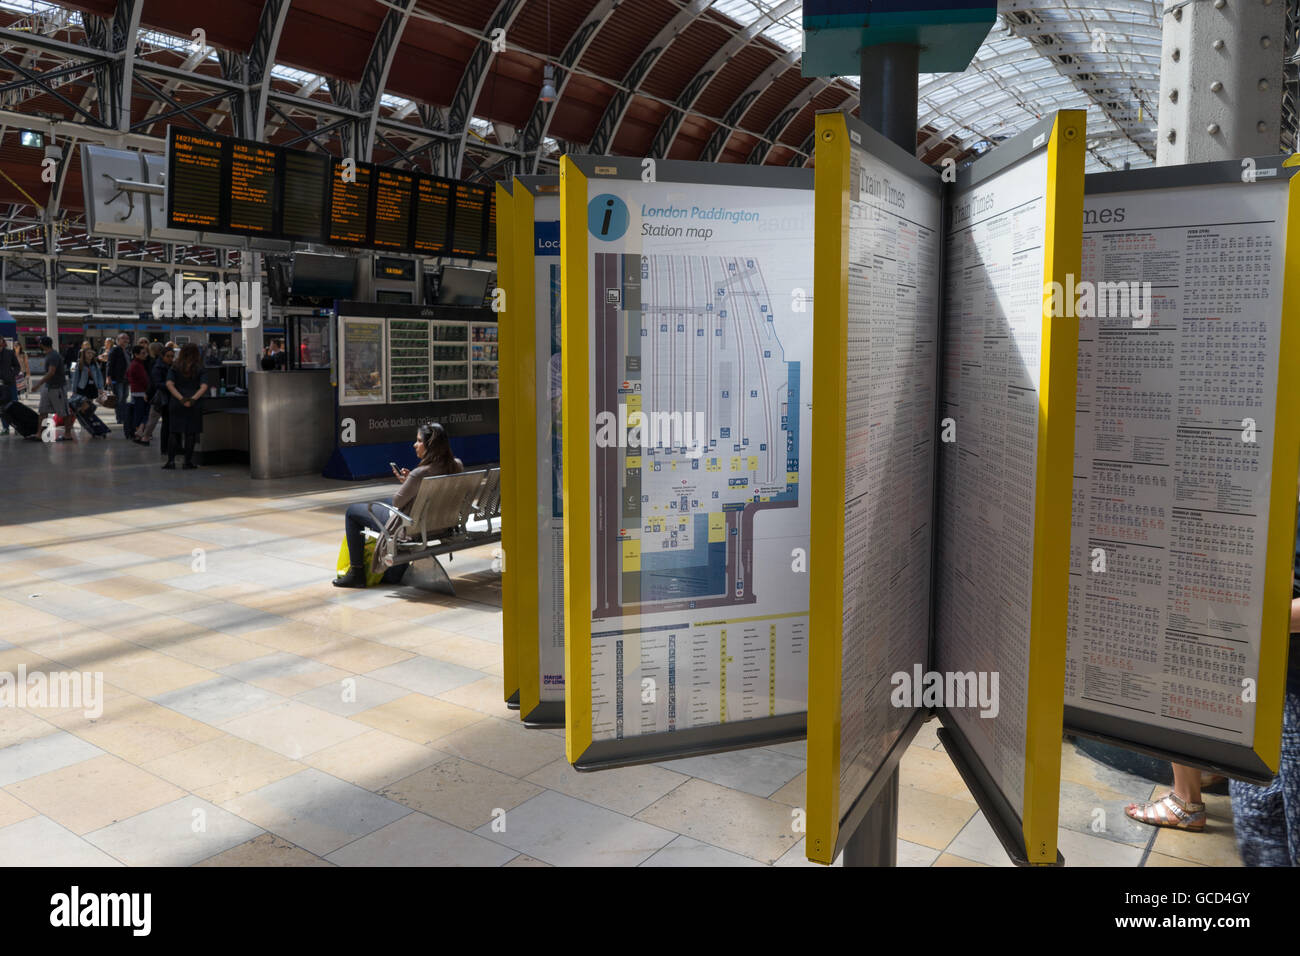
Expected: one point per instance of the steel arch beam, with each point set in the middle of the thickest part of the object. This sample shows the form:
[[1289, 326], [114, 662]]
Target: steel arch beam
[[261, 58], [122, 38], [672, 123], [471, 85], [731, 119], [539, 120], [375, 76], [776, 129], [607, 129]]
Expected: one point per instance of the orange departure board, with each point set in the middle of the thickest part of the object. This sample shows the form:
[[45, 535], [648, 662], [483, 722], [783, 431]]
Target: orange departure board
[[304, 183], [251, 187], [432, 215], [350, 205], [490, 241], [393, 196], [469, 222], [194, 180]]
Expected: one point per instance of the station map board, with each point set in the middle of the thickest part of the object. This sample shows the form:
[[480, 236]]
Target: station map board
[[1187, 448], [534, 248], [946, 433], [687, 353], [509, 319], [876, 346]]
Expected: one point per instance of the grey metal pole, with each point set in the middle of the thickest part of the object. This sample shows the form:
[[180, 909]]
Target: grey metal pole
[[889, 89], [875, 842]]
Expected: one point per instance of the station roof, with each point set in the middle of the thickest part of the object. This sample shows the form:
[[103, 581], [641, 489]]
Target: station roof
[[418, 83]]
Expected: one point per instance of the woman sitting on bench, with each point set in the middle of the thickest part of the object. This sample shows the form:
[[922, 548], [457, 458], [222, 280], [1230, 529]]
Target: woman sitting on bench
[[434, 452]]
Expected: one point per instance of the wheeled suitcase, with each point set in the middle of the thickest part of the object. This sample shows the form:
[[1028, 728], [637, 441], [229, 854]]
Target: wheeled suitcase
[[25, 421], [91, 422]]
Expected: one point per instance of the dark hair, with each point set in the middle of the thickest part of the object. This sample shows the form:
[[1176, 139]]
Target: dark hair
[[139, 349], [190, 361], [46, 341], [437, 447]]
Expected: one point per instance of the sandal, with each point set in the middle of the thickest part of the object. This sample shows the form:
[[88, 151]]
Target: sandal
[[1169, 811]]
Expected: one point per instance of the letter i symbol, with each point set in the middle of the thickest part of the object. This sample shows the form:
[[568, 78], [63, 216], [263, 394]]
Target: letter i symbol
[[609, 211]]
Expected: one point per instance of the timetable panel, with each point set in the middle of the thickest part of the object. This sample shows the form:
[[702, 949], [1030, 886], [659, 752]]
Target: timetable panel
[[433, 199], [393, 197], [194, 180], [350, 205], [251, 186]]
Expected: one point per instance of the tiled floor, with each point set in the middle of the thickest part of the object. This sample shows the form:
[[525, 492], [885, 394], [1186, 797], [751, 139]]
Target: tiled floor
[[255, 715]]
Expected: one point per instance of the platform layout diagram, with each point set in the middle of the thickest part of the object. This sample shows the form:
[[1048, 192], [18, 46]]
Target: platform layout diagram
[[693, 392]]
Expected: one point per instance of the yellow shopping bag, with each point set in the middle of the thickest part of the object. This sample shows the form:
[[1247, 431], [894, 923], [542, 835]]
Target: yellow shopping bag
[[345, 561]]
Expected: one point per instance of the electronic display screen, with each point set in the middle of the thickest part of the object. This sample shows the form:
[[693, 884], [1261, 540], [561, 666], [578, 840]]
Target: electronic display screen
[[350, 205], [304, 184], [393, 198], [194, 180], [470, 220], [432, 215], [251, 187]]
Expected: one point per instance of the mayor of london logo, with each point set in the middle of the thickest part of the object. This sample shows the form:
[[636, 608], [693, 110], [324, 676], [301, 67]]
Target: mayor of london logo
[[607, 217]]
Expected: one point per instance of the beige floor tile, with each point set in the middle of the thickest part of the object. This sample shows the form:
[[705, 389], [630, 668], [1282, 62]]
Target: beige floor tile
[[293, 729], [627, 790], [173, 601], [358, 656], [138, 730], [794, 793], [160, 571], [374, 759], [927, 737], [1162, 859], [20, 619], [94, 793], [418, 718], [947, 859], [13, 810], [149, 674], [296, 638], [460, 792], [460, 649], [932, 771], [482, 695], [311, 676], [265, 850], [409, 606], [19, 725], [1216, 846], [726, 818], [223, 768], [283, 603], [210, 649], [929, 819], [504, 745], [81, 649], [125, 586]]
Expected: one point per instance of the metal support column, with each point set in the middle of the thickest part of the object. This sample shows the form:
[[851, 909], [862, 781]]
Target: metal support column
[[1220, 80], [889, 90], [875, 841]]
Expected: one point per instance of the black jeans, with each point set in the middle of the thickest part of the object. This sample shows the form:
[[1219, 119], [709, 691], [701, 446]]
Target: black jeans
[[181, 441], [357, 519]]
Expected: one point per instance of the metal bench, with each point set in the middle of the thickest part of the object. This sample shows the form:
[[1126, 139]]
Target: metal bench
[[440, 523]]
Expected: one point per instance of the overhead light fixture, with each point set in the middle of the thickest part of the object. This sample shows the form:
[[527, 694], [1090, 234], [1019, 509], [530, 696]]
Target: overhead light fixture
[[548, 84], [90, 272], [33, 138], [194, 275]]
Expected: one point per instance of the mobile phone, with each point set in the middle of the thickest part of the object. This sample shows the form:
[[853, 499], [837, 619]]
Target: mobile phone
[[393, 465]]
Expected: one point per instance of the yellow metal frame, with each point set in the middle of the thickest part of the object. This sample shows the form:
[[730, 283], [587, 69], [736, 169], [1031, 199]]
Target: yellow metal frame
[[510, 464], [1275, 625], [826, 483], [1053, 491], [523, 359], [575, 367]]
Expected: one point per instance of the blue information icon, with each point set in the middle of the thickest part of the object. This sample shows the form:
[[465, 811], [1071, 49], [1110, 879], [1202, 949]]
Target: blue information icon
[[607, 217]]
